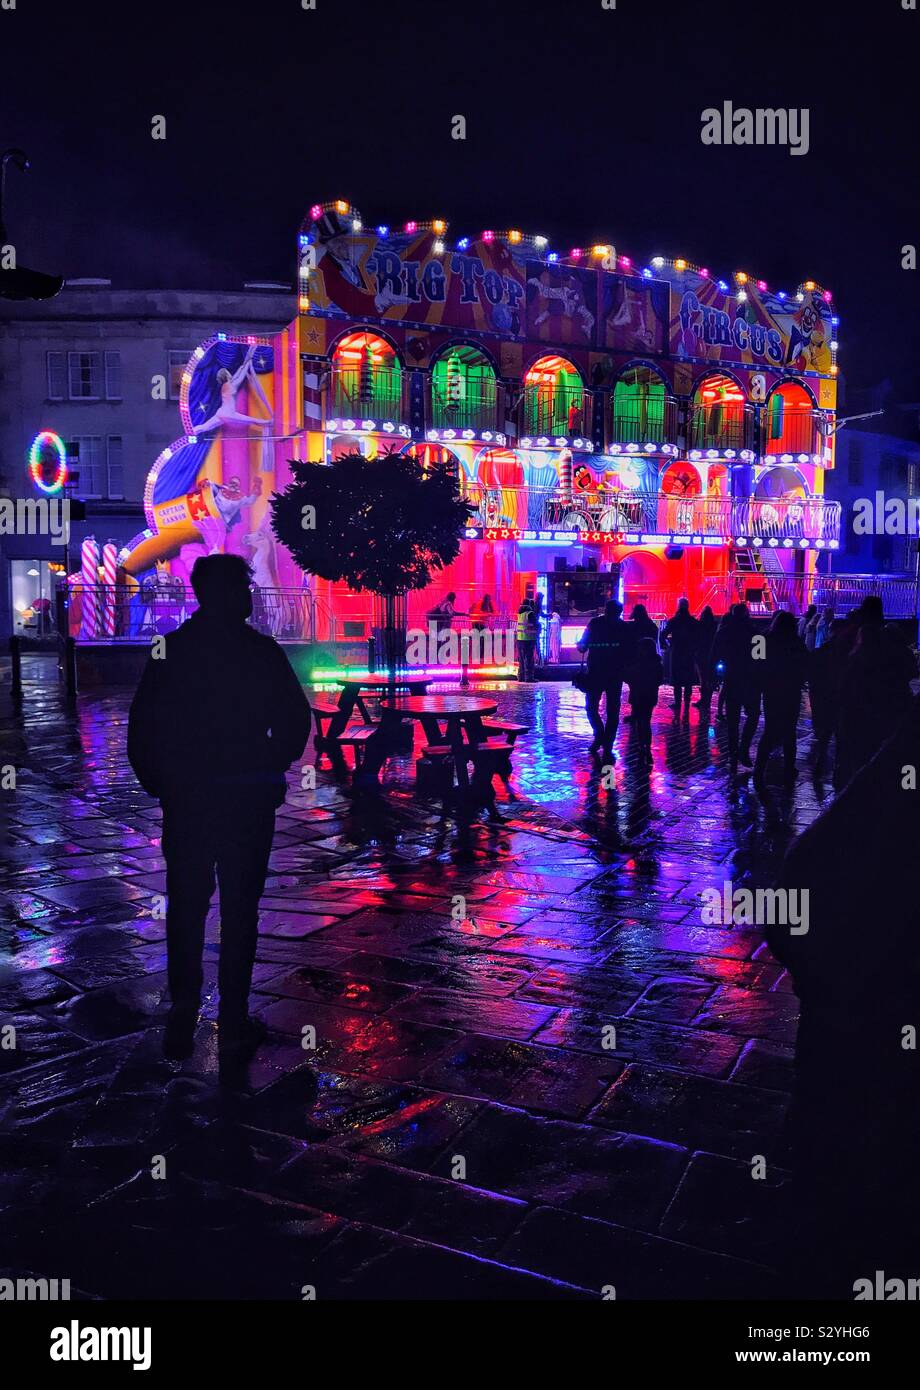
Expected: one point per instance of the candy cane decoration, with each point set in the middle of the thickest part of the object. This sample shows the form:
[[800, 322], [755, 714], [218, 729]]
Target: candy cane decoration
[[565, 474], [454, 383], [366, 376], [109, 570], [89, 574]]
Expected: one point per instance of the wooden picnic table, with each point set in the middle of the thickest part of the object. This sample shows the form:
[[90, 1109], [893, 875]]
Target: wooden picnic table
[[353, 688], [458, 713]]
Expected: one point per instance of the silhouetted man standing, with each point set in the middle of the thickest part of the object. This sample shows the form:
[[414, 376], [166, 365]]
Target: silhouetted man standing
[[610, 647], [214, 725]]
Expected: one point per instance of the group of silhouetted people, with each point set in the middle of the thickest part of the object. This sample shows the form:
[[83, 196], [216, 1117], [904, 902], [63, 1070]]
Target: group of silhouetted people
[[857, 669]]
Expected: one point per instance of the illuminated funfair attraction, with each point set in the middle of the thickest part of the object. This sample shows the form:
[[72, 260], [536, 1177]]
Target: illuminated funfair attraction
[[648, 431]]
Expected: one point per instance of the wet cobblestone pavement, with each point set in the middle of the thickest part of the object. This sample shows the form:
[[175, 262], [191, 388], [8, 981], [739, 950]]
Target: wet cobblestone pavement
[[443, 1045]]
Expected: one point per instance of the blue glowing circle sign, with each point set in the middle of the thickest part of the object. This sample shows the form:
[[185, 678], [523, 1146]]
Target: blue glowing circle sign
[[43, 443]]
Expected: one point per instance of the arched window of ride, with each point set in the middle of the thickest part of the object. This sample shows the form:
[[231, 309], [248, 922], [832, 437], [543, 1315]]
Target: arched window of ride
[[554, 399], [367, 380], [639, 408], [790, 421], [718, 416], [463, 390]]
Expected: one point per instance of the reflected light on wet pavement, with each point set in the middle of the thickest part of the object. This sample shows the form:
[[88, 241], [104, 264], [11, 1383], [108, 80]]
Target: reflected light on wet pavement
[[557, 1085]]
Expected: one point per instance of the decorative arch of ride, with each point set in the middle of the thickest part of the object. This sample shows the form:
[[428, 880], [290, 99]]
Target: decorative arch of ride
[[366, 376], [789, 420], [464, 389], [554, 398], [638, 406], [717, 415]]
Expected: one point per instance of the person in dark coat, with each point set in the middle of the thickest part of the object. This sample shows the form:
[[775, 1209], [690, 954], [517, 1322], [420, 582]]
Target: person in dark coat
[[781, 676], [214, 725], [855, 1119], [644, 674], [644, 625], [706, 636], [609, 644], [733, 659], [875, 691], [826, 667], [680, 635]]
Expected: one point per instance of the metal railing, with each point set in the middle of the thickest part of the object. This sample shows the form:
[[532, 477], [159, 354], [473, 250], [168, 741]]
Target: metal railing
[[654, 513], [107, 613], [654, 421], [842, 592], [545, 411], [467, 406], [720, 427], [359, 393], [798, 433], [661, 600]]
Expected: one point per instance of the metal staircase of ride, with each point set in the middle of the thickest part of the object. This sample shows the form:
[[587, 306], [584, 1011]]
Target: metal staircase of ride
[[761, 560]]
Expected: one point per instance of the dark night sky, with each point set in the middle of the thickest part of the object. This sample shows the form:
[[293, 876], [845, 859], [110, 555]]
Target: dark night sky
[[583, 124]]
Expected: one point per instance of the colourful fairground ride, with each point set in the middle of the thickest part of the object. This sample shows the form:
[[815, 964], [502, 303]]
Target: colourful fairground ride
[[648, 431]]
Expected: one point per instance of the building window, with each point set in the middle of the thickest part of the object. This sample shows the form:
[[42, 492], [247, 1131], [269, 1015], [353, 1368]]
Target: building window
[[114, 468], [91, 376], [32, 584], [178, 357], [113, 376], [56, 364], [89, 466]]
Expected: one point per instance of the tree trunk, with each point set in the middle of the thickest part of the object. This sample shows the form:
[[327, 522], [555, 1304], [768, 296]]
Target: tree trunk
[[391, 623]]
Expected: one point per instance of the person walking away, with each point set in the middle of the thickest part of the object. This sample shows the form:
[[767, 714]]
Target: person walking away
[[644, 675], [733, 655], [706, 636], [608, 643], [680, 636], [782, 676], [214, 725], [718, 666], [826, 665], [645, 626]]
